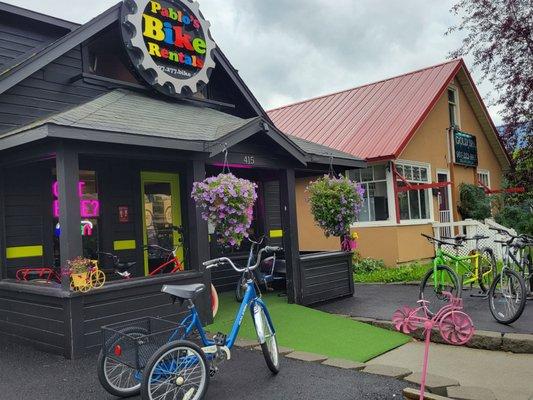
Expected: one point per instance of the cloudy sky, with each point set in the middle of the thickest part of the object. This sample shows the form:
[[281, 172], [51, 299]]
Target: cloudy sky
[[290, 50]]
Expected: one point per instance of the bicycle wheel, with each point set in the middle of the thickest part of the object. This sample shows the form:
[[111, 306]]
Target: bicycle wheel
[[177, 371], [116, 378], [241, 288], [456, 328], [488, 269], [97, 279], [507, 296], [446, 281], [270, 343]]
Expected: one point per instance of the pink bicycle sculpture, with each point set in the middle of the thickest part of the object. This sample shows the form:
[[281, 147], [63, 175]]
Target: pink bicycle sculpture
[[455, 326]]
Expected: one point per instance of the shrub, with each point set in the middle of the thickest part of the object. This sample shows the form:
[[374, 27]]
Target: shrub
[[518, 217], [366, 265], [473, 202]]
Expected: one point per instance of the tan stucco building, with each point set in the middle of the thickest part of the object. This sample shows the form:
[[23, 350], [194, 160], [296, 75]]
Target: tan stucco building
[[416, 131]]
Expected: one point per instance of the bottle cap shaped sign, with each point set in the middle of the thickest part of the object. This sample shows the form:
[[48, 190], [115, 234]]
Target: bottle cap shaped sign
[[169, 43]]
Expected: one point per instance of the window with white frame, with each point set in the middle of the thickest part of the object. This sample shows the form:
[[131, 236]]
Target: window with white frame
[[414, 204], [483, 176], [374, 181], [452, 107]]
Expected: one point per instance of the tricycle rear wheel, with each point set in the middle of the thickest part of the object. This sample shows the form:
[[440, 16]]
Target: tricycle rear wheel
[[119, 379]]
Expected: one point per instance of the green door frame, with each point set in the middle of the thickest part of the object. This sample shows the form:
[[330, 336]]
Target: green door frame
[[174, 180]]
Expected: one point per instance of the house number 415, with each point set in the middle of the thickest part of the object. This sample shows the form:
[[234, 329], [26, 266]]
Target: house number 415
[[249, 160]]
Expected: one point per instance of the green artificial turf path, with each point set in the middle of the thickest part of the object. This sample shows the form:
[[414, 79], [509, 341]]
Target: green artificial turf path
[[306, 329]]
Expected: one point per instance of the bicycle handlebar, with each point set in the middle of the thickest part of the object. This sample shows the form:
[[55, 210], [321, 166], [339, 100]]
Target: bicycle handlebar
[[435, 240], [223, 260]]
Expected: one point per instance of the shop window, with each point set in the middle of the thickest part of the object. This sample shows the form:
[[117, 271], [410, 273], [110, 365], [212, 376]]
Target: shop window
[[414, 204], [90, 215], [374, 181], [483, 177], [452, 107]]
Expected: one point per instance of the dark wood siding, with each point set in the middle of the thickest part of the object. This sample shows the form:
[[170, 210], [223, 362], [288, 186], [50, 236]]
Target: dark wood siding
[[272, 212], [121, 187], [225, 278], [326, 276], [130, 300], [28, 214], [46, 92], [19, 37], [34, 319]]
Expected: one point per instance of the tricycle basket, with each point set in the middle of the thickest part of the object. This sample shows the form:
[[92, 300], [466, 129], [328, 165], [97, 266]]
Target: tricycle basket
[[133, 342]]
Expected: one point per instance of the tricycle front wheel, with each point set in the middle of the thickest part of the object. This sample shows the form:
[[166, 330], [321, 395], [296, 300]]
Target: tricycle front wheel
[[177, 371]]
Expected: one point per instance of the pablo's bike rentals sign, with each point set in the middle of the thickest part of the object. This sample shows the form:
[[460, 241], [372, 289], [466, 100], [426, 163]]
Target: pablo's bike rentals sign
[[169, 43]]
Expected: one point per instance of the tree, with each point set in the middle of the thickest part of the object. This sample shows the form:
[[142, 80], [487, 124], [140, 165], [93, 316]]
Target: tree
[[499, 37]]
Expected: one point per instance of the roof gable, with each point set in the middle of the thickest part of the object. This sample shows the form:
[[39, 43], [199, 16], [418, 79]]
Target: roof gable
[[373, 121], [376, 121], [34, 62]]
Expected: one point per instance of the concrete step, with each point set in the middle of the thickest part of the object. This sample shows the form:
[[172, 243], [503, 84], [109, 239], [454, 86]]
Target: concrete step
[[387, 370], [414, 394], [344, 364], [434, 383], [470, 393]]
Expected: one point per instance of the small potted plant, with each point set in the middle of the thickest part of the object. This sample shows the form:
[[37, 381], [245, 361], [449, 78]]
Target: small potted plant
[[79, 271], [335, 205], [227, 203]]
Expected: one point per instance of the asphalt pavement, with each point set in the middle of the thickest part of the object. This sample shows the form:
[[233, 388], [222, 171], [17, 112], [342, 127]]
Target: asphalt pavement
[[27, 374], [380, 302]]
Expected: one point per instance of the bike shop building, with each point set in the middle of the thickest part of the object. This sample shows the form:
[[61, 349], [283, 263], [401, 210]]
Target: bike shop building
[[109, 124], [423, 134]]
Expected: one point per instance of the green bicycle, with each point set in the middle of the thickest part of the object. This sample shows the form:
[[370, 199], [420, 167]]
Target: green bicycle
[[479, 266]]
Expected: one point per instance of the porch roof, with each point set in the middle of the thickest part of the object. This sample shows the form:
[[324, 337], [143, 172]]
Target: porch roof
[[128, 117]]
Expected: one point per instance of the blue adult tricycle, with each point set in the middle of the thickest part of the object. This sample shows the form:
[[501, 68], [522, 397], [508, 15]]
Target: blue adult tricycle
[[165, 361]]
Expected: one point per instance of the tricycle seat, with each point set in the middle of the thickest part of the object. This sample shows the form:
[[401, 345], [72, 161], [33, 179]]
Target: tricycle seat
[[184, 291]]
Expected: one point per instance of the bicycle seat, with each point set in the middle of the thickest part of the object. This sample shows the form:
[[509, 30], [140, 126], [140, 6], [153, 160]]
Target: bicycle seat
[[184, 291]]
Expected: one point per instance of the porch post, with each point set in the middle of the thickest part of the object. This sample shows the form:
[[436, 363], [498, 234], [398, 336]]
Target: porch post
[[68, 172], [197, 233], [289, 223]]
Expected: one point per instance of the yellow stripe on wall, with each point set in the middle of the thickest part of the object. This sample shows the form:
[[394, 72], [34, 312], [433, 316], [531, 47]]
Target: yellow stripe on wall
[[277, 233], [24, 252], [119, 245]]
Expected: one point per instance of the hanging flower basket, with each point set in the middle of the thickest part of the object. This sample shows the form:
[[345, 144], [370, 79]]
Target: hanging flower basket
[[335, 205], [227, 203]]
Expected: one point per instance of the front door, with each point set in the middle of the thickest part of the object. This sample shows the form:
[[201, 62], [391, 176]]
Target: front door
[[445, 202], [162, 214]]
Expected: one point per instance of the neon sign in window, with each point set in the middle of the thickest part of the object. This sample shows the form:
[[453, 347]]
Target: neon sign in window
[[89, 208]]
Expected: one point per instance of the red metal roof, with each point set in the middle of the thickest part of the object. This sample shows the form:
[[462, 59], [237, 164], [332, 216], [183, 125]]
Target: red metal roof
[[374, 121]]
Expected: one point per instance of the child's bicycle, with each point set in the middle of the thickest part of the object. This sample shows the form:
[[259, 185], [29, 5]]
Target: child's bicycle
[[157, 358]]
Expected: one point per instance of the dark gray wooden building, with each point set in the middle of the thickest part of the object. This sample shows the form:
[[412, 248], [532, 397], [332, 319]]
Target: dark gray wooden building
[[84, 137]]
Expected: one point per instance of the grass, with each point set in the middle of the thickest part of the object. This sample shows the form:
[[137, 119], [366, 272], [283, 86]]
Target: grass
[[408, 273], [305, 329]]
